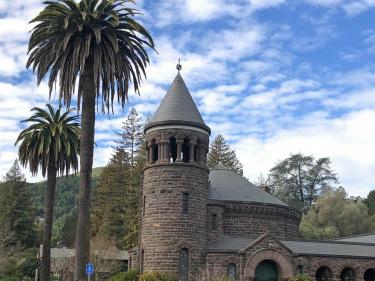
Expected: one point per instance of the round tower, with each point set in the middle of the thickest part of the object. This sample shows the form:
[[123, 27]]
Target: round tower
[[175, 186]]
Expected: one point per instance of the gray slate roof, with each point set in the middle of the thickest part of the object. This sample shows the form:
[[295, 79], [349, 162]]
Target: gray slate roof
[[177, 107], [331, 248], [365, 238], [226, 185], [302, 247]]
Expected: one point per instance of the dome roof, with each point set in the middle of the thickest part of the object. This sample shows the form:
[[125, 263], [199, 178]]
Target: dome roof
[[227, 185], [177, 108]]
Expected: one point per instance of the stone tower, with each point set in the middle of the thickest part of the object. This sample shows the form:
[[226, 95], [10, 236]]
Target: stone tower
[[175, 186]]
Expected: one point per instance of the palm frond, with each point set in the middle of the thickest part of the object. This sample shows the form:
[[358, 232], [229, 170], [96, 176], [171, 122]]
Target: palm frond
[[69, 34]]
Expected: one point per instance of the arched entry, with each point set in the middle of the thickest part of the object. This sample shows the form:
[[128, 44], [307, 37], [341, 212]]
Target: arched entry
[[369, 274], [266, 270]]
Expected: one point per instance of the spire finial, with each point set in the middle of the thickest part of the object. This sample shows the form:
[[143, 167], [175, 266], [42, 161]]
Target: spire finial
[[179, 66]]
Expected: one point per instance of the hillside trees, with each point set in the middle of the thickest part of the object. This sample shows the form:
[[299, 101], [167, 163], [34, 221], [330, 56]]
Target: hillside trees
[[334, 215], [299, 180], [17, 215], [220, 152], [370, 202]]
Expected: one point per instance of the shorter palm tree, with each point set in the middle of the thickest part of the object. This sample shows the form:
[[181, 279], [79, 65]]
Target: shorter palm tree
[[50, 145]]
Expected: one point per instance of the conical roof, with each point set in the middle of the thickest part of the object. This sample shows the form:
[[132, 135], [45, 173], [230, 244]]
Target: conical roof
[[227, 185], [178, 108]]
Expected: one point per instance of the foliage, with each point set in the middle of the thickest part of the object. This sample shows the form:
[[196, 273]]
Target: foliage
[[220, 152], [299, 180], [131, 275], [103, 35], [334, 215], [370, 202], [205, 274], [115, 206], [27, 266], [52, 140], [157, 276], [301, 277], [104, 255], [131, 135], [16, 210]]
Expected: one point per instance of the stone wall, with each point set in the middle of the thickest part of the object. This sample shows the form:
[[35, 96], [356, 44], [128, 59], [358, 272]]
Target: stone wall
[[165, 228], [251, 220]]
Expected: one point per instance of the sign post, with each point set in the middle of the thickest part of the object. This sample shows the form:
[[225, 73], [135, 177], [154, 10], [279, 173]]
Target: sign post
[[89, 270]]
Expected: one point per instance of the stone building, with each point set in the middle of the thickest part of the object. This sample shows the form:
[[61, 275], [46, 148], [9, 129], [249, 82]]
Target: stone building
[[194, 218]]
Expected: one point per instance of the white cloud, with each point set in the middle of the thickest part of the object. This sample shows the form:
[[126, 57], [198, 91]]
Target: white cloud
[[348, 141]]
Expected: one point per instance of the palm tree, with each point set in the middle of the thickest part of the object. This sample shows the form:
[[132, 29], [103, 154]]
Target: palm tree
[[99, 45], [50, 144]]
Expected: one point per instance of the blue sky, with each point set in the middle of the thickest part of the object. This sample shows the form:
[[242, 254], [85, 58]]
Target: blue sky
[[273, 76]]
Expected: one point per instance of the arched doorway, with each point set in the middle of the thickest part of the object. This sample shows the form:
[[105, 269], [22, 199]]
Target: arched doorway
[[266, 270], [369, 274]]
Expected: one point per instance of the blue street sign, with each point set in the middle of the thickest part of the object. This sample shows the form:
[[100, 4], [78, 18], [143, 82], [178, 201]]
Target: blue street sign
[[89, 269]]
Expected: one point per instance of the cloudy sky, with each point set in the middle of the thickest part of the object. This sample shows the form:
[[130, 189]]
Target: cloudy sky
[[275, 77]]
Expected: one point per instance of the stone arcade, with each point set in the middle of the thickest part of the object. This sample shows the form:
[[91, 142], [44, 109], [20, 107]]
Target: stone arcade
[[193, 217]]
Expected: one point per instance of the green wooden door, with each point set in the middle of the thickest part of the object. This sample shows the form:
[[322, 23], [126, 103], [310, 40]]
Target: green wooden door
[[266, 271]]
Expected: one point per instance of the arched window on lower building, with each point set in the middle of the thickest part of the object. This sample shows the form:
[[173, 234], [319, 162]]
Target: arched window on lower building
[[232, 271], [369, 275], [186, 150], [172, 149], [323, 274], [347, 274], [184, 264]]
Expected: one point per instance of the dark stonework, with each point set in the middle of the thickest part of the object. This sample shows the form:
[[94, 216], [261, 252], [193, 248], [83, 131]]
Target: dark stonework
[[184, 227]]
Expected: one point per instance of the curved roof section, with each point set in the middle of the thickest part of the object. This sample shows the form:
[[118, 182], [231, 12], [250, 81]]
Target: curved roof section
[[227, 185], [177, 108]]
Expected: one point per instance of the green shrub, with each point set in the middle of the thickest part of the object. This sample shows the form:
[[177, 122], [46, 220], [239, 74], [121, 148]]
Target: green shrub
[[157, 276], [9, 278], [301, 277], [131, 275], [27, 267]]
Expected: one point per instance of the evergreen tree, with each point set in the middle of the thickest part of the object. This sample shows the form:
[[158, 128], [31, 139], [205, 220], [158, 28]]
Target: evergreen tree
[[16, 209], [299, 180], [220, 152], [110, 202], [370, 202], [115, 208], [131, 135]]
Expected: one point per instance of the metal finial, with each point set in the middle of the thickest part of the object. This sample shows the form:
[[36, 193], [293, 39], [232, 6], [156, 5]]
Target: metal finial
[[179, 66]]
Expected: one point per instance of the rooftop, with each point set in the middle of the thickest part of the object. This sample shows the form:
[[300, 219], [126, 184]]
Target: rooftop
[[177, 107], [227, 185]]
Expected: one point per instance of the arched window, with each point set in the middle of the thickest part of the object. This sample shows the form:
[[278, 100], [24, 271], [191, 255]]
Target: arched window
[[186, 150], [347, 274], [232, 271], [323, 274], [142, 260], [172, 149], [184, 264], [154, 151], [197, 151], [369, 274]]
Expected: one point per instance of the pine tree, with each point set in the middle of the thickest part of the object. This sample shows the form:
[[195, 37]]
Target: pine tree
[[115, 208], [110, 202], [131, 135], [16, 209], [220, 152]]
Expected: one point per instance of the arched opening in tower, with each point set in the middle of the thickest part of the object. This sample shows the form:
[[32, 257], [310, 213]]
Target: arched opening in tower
[[172, 149], [186, 150]]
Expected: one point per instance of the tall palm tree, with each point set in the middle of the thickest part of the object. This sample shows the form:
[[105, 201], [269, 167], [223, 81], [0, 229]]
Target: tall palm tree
[[50, 145], [100, 46]]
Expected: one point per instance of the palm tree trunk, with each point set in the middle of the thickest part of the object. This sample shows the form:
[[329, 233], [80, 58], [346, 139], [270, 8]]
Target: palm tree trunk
[[48, 219], [86, 160]]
